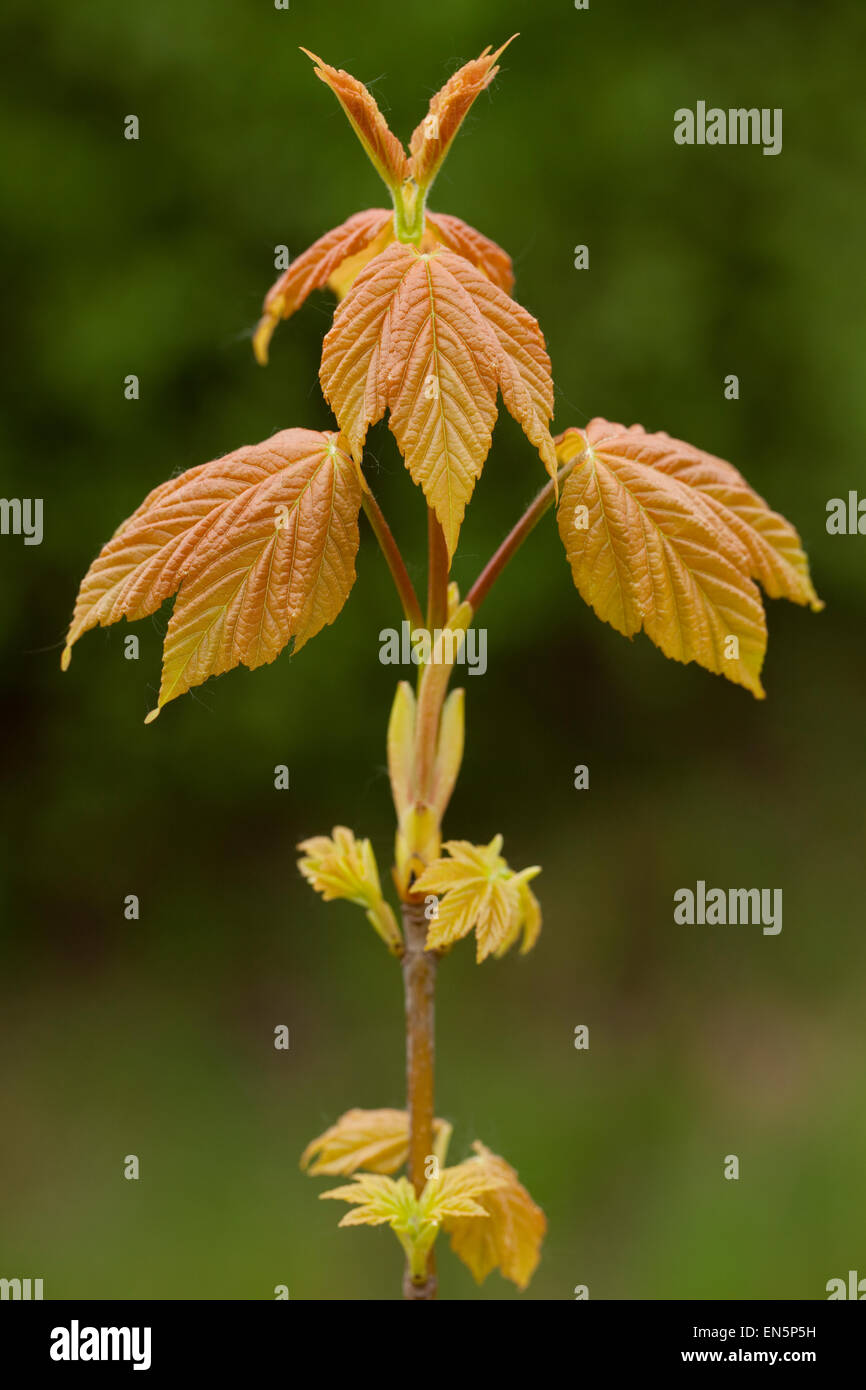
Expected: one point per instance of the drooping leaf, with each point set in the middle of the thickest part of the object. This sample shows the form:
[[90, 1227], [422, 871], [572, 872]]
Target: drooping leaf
[[432, 139], [441, 387], [451, 1195], [465, 241], [523, 366], [324, 262], [648, 551], [347, 272], [259, 547], [429, 337], [479, 891], [778, 560], [511, 1239], [367, 121], [376, 1140], [356, 350]]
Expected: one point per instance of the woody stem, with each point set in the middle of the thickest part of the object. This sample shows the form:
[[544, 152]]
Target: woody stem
[[419, 975]]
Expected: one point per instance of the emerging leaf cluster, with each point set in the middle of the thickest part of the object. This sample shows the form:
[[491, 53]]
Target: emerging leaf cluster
[[491, 1218], [479, 892]]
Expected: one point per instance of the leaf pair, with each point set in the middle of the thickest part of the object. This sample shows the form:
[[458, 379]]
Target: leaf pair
[[336, 258], [432, 139], [259, 547], [663, 537], [491, 1218]]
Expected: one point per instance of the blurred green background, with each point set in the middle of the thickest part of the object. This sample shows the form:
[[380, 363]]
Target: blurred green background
[[155, 1037]]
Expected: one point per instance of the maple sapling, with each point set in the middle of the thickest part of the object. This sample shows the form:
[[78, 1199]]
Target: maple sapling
[[259, 548]]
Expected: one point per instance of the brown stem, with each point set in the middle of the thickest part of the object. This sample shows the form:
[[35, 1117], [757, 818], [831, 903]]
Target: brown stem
[[516, 536], [437, 573], [396, 564], [419, 976]]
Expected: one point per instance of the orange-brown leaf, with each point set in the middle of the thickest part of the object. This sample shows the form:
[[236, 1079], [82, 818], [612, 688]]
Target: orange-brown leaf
[[367, 121], [523, 366], [322, 263], [356, 350], [432, 138], [259, 547], [441, 387], [429, 337], [464, 240], [778, 560], [649, 552], [347, 272]]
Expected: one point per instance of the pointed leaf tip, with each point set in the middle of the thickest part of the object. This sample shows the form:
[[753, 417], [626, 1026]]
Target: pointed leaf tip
[[432, 139], [382, 146], [66, 658], [262, 337], [154, 714], [499, 52]]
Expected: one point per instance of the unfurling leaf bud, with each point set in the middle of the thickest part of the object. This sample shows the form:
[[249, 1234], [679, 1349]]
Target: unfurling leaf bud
[[418, 844], [449, 751], [343, 867], [401, 747]]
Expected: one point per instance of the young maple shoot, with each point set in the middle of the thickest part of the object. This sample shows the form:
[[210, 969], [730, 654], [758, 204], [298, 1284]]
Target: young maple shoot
[[259, 548]]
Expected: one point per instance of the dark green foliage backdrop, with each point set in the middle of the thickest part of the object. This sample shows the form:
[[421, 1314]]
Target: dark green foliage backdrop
[[155, 1037]]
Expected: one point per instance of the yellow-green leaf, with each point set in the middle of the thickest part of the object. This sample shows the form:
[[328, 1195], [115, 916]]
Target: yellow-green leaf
[[459, 1192], [340, 866], [481, 893], [401, 747], [379, 1201]]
